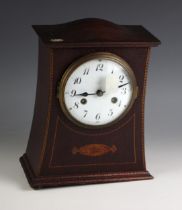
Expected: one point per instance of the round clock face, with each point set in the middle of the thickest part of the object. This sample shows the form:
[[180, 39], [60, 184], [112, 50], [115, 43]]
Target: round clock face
[[97, 90]]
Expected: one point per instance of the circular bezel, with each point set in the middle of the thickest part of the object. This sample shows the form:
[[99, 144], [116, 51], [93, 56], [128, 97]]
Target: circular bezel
[[80, 61]]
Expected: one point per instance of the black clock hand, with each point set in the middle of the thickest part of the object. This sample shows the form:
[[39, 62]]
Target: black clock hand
[[98, 92], [85, 94], [123, 85]]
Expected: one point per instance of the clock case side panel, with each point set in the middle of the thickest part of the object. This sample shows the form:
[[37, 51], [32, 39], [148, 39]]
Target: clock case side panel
[[142, 110], [32, 158]]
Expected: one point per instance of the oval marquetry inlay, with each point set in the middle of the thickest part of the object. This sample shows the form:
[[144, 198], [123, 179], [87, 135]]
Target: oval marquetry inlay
[[94, 150]]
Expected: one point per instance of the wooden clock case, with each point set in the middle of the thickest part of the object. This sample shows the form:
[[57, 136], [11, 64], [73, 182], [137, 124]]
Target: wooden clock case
[[61, 153]]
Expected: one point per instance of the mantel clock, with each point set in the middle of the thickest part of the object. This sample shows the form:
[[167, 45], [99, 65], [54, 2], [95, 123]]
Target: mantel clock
[[88, 124]]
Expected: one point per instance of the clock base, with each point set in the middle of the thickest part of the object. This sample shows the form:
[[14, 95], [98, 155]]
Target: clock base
[[38, 182]]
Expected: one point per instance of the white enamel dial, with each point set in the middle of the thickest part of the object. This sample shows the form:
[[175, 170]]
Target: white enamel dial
[[98, 91]]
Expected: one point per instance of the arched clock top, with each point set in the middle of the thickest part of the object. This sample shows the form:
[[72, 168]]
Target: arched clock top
[[93, 30]]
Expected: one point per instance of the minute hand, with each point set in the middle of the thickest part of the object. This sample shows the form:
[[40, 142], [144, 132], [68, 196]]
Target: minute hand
[[123, 85]]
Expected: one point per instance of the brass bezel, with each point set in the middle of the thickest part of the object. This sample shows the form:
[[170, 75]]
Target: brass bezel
[[80, 61]]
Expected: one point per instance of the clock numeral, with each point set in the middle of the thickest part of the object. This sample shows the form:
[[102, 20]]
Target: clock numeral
[[100, 67], [85, 113], [97, 116], [110, 112], [76, 105], [112, 71], [121, 78], [123, 91], [77, 80], [119, 103], [86, 71], [73, 93]]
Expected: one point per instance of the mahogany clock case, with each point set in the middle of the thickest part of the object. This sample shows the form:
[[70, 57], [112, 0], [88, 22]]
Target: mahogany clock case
[[55, 152]]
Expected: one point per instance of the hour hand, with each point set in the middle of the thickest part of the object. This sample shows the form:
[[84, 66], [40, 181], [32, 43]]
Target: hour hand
[[85, 94]]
